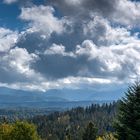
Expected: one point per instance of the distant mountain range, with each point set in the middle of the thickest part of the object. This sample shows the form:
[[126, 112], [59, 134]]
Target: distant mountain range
[[65, 98]]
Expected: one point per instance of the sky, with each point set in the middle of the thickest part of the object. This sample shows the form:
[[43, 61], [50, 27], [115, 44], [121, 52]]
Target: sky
[[69, 44]]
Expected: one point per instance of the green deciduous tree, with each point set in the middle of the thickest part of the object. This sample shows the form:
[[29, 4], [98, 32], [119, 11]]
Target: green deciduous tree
[[18, 131], [128, 121], [5, 131], [24, 131], [90, 132]]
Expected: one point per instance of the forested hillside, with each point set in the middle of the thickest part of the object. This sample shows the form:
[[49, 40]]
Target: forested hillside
[[64, 124], [73, 122]]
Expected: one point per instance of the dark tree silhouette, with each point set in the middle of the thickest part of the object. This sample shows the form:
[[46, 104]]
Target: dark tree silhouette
[[128, 121], [90, 132]]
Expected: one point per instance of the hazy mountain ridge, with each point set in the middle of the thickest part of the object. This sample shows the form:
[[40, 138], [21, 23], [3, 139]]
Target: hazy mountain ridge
[[55, 98]]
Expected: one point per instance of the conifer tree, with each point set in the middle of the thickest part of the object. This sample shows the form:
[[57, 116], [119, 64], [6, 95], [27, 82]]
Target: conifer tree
[[128, 121], [90, 132]]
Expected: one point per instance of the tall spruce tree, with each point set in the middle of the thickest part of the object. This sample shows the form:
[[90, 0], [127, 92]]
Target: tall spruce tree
[[128, 121], [90, 132]]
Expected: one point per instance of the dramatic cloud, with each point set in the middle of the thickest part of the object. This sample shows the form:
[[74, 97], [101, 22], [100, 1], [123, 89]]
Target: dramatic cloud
[[116, 61], [84, 7], [124, 12], [71, 44], [88, 60]]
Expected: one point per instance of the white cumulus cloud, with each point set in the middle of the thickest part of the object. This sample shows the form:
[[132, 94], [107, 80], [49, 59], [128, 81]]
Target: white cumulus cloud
[[41, 19], [8, 39]]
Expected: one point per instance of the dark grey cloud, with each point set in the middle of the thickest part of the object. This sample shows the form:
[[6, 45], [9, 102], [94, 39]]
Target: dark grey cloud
[[96, 28], [57, 66], [105, 7], [84, 7], [123, 12], [32, 42], [69, 39]]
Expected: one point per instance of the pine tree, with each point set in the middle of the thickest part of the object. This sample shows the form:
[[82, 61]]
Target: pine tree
[[90, 132], [128, 121]]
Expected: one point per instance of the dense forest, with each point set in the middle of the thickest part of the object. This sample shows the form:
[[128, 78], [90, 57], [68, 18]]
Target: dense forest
[[58, 125], [13, 114], [115, 121]]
